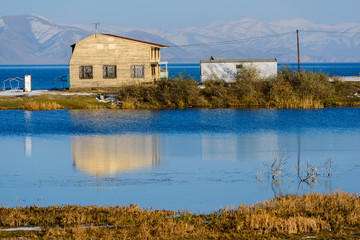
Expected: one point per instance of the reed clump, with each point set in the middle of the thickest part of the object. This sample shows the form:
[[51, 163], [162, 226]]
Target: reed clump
[[332, 215], [288, 89]]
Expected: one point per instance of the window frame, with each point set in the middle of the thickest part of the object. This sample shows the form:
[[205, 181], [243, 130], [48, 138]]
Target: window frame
[[135, 71], [109, 74], [83, 74]]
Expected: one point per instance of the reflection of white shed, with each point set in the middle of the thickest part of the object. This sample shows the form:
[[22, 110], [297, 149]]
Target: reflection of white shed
[[227, 69]]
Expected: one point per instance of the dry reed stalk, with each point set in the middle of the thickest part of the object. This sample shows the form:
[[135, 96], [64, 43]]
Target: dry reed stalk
[[277, 166], [311, 213]]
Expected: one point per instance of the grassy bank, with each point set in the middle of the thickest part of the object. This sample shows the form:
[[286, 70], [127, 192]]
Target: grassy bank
[[289, 89], [50, 102], [326, 216], [344, 94]]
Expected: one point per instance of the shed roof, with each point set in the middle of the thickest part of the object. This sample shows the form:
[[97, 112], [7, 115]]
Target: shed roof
[[238, 60]]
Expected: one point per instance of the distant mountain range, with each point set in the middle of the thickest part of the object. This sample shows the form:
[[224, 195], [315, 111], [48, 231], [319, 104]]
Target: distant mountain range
[[33, 39]]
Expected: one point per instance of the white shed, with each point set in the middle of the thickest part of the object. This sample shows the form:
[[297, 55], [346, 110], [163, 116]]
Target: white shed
[[227, 69]]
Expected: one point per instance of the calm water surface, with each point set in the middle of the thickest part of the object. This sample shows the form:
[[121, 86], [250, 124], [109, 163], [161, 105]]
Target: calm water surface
[[181, 159]]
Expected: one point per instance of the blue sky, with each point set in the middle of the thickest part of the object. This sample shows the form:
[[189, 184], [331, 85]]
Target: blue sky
[[168, 14]]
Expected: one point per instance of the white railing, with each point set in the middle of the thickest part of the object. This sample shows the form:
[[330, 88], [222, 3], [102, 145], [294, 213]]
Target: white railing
[[10, 80]]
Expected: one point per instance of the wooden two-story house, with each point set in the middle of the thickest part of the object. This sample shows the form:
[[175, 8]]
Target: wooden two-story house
[[106, 61]]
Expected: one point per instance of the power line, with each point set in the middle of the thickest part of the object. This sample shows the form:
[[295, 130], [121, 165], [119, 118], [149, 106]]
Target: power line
[[335, 32], [250, 39], [234, 41]]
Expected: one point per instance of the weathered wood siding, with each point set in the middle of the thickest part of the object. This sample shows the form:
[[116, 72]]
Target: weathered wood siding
[[99, 50]]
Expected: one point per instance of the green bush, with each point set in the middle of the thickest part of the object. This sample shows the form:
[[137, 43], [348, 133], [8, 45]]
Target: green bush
[[216, 93], [314, 85], [179, 92], [281, 91]]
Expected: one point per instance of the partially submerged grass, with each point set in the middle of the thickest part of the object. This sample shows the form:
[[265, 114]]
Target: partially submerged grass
[[323, 215], [308, 175]]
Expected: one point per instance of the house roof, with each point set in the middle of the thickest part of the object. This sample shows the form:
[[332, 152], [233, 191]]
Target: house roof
[[238, 60], [131, 39]]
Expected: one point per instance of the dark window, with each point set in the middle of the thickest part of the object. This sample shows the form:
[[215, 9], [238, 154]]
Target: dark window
[[155, 53], [109, 71], [86, 72], [137, 71], [240, 66]]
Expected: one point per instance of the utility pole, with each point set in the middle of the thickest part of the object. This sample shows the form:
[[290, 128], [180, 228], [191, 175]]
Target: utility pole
[[298, 50]]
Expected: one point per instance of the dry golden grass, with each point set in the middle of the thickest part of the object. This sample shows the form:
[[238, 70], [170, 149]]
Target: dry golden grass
[[51, 102], [286, 216], [34, 106]]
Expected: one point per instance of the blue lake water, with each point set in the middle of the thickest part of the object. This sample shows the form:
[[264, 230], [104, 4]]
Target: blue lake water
[[198, 160], [45, 77]]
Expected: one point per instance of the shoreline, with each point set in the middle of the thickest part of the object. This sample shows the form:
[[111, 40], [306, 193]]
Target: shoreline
[[49, 100], [287, 91], [67, 100]]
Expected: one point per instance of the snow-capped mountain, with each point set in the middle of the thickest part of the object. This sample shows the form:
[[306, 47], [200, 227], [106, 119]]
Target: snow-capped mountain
[[249, 38], [33, 39]]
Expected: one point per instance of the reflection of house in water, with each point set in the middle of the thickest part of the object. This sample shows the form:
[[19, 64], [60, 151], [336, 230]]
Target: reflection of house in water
[[28, 146], [28, 139], [258, 147], [234, 147], [106, 155]]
